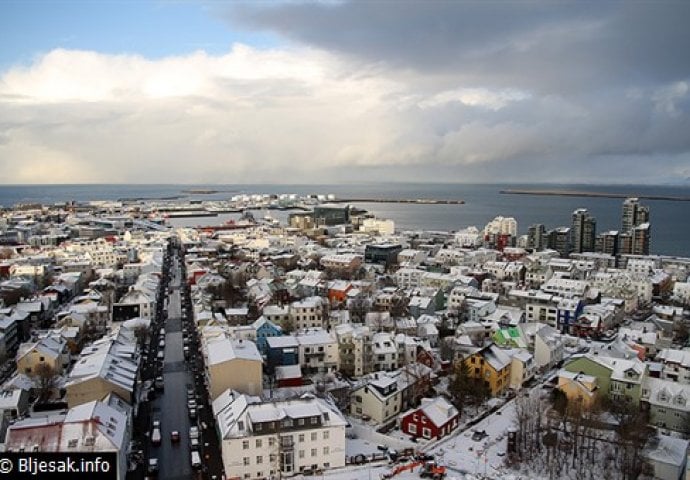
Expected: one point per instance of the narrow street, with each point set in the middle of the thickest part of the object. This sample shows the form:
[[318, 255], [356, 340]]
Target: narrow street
[[170, 407]]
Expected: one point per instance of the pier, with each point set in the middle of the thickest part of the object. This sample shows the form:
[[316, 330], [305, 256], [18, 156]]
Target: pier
[[418, 201]]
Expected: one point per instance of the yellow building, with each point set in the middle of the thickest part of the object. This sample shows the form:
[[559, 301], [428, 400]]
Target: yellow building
[[234, 364], [109, 365], [578, 387], [51, 351], [491, 365]]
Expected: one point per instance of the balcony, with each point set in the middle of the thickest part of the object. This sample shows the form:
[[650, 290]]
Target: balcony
[[287, 443]]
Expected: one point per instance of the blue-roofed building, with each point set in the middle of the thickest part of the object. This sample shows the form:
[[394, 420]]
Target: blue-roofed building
[[264, 329], [282, 351]]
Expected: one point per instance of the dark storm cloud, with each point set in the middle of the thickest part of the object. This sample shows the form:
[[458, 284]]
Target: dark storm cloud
[[541, 46]]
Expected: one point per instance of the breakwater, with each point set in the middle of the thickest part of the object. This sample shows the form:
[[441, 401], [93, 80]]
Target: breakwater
[[578, 193]]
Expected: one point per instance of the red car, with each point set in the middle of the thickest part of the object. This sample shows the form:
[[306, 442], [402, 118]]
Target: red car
[[174, 436]]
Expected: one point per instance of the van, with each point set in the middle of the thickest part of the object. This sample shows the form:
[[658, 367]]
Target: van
[[196, 459]]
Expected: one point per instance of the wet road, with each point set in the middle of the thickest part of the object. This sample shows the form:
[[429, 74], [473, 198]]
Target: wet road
[[171, 405]]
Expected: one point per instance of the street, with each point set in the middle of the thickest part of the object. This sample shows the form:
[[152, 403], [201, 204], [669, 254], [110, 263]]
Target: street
[[170, 407]]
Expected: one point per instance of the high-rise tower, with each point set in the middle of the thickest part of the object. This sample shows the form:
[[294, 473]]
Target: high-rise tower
[[583, 231]]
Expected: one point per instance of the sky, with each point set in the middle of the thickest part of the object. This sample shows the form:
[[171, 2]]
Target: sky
[[221, 92]]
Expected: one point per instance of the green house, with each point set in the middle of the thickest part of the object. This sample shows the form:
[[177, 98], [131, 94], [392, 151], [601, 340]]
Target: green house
[[619, 378]]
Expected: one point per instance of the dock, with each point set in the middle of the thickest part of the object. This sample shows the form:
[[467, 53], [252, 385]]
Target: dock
[[417, 201]]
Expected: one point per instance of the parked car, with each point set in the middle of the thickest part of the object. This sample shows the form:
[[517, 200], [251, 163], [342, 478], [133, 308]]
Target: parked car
[[160, 385], [192, 413], [194, 432], [153, 466], [195, 459]]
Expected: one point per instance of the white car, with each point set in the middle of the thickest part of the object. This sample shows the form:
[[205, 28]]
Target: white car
[[195, 459]]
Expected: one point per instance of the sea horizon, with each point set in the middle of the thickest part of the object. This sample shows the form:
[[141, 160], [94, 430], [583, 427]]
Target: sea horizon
[[482, 202]]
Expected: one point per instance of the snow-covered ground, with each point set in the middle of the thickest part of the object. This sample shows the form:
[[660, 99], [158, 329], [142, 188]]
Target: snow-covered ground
[[465, 458], [463, 455]]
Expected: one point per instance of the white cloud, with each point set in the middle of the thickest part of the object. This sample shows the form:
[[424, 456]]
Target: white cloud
[[298, 115], [476, 97]]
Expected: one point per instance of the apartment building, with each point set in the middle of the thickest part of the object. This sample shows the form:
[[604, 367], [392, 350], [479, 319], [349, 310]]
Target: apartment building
[[318, 351], [307, 313], [270, 439], [355, 349]]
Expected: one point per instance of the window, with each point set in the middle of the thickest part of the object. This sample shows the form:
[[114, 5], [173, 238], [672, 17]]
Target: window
[[426, 433], [301, 437], [245, 445], [271, 441], [326, 435], [313, 436], [300, 421], [259, 443], [301, 454], [246, 460], [326, 450], [314, 420], [258, 427], [313, 452], [259, 459], [412, 428]]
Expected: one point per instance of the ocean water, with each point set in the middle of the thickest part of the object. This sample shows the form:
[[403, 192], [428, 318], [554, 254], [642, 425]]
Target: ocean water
[[670, 219]]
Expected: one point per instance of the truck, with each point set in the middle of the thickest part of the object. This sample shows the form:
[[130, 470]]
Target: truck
[[433, 470]]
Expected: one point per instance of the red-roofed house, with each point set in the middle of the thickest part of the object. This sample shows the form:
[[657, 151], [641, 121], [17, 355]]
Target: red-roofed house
[[435, 418]]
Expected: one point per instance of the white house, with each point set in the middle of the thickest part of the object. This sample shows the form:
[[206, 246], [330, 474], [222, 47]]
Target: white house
[[262, 439]]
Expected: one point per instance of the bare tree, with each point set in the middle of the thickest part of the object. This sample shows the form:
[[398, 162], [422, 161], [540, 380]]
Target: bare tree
[[288, 325], [359, 307], [460, 385], [418, 376], [633, 433], [45, 380], [446, 348], [141, 333]]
